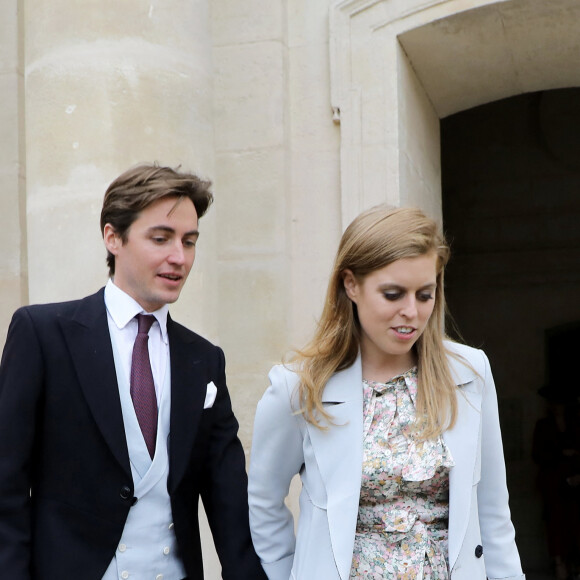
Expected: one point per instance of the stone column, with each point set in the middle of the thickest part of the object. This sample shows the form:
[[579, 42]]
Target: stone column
[[13, 287], [109, 85]]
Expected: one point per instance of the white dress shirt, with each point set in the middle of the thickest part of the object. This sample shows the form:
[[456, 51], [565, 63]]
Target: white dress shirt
[[121, 312]]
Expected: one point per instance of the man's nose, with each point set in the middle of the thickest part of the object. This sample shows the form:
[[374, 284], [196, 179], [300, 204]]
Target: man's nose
[[177, 255]]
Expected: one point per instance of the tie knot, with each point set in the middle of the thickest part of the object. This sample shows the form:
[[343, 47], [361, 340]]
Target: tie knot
[[145, 321]]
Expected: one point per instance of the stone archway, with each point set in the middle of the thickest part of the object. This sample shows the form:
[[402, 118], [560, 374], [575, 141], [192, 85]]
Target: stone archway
[[396, 71]]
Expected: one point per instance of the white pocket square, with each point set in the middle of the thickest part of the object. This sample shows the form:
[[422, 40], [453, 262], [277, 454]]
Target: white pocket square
[[210, 395]]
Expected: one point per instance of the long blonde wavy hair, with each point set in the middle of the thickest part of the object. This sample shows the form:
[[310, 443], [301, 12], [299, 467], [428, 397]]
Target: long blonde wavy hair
[[376, 238]]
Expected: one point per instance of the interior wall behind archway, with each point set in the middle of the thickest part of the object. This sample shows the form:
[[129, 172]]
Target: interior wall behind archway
[[511, 208]]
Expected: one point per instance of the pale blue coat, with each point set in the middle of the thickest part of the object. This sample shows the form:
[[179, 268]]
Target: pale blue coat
[[330, 467]]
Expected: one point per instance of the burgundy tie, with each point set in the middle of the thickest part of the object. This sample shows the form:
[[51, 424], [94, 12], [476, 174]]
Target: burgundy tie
[[142, 385]]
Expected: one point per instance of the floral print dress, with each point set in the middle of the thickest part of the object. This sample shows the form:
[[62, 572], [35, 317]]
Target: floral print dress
[[401, 531]]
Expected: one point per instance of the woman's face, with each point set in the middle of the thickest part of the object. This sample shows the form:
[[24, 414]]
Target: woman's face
[[394, 304]]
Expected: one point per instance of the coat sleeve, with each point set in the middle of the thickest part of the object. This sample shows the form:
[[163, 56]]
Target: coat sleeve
[[21, 380], [277, 456], [497, 531]]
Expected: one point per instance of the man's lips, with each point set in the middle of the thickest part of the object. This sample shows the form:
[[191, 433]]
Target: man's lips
[[172, 277]]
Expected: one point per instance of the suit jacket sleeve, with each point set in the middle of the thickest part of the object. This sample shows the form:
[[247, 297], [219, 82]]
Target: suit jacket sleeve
[[21, 379], [224, 491], [497, 531], [277, 455]]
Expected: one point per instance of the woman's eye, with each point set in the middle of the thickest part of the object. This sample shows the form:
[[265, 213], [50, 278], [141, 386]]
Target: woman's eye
[[425, 296], [158, 239], [189, 243], [392, 296]]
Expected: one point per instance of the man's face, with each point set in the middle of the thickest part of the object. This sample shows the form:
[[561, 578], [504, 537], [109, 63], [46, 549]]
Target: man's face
[[154, 262]]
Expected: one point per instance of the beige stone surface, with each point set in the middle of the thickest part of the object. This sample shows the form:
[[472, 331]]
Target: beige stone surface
[[10, 291], [251, 212], [420, 149], [181, 27], [494, 51], [13, 267], [9, 37], [249, 96], [252, 306], [237, 23]]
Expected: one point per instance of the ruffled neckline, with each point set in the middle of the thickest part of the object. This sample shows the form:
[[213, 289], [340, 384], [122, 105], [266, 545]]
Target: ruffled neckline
[[422, 457]]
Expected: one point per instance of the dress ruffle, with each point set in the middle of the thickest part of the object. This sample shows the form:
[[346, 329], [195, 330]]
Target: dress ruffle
[[423, 457]]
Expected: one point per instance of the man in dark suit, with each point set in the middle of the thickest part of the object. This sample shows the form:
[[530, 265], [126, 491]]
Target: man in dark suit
[[114, 419]]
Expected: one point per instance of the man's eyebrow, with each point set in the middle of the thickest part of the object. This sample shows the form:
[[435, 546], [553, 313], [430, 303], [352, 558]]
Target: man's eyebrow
[[169, 230]]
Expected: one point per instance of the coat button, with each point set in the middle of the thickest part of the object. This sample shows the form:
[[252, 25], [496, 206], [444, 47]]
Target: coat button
[[125, 492], [478, 551]]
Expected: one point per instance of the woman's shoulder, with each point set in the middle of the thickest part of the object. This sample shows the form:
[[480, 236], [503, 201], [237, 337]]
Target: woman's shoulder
[[463, 358], [284, 375], [459, 349]]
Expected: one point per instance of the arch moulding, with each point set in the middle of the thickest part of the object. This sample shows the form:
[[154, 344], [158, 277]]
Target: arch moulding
[[398, 67]]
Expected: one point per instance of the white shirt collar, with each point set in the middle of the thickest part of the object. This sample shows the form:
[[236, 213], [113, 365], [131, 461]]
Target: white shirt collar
[[123, 308]]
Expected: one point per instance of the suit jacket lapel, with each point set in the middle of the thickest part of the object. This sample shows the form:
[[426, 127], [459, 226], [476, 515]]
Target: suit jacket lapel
[[339, 456], [462, 441], [89, 342], [188, 389]]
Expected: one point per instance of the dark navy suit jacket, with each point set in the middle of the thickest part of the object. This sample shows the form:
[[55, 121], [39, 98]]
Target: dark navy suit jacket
[[65, 479]]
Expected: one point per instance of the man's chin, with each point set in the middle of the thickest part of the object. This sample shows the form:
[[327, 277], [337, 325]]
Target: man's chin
[[170, 297]]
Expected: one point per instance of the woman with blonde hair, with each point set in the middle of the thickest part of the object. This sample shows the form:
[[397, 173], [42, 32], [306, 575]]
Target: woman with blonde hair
[[393, 428]]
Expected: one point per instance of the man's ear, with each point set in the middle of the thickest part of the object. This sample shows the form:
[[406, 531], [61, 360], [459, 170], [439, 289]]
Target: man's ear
[[350, 284], [112, 241]]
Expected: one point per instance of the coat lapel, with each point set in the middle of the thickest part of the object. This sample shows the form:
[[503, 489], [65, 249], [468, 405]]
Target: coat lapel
[[339, 453], [462, 441], [89, 342], [188, 389]]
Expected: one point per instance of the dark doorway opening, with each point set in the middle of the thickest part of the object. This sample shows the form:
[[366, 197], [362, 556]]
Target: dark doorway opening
[[511, 209]]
